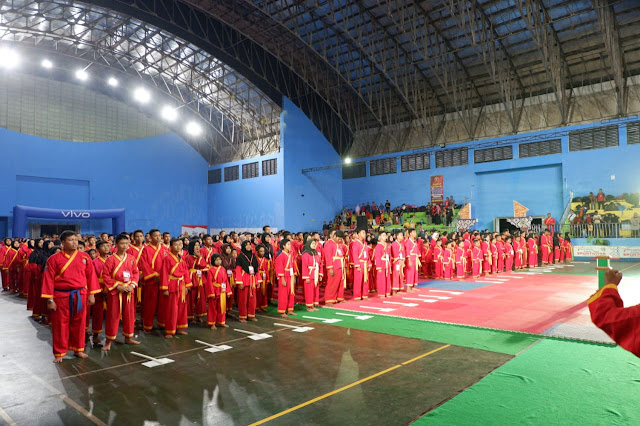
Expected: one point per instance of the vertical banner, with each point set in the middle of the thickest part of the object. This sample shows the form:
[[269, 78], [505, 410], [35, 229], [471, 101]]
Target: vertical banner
[[437, 189]]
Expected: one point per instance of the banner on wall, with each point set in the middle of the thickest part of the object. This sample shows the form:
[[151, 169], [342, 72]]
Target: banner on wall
[[216, 231], [617, 252], [437, 189], [194, 229]]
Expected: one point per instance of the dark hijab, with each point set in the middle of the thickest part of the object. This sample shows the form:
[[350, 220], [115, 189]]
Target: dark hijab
[[307, 248], [246, 258], [192, 246], [227, 259], [39, 255], [268, 247], [214, 256]]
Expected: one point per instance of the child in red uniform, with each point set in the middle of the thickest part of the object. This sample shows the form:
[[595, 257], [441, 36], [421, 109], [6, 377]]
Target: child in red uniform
[[198, 267], [97, 310], [286, 274], [477, 257], [175, 283], [120, 276], [509, 254], [264, 271], [437, 259], [247, 281], [217, 287], [461, 266], [447, 261], [383, 266], [311, 274]]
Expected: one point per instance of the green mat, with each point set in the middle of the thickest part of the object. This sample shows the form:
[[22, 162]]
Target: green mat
[[504, 342], [553, 382]]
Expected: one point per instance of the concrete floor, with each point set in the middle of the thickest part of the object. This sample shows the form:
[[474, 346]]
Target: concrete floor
[[250, 382]]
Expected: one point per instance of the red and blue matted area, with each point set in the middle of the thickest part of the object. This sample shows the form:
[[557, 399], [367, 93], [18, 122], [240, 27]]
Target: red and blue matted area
[[530, 302]]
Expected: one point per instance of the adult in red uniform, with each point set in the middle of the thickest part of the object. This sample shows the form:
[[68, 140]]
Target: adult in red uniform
[[198, 266], [264, 271], [609, 314], [135, 249], [4, 273], [383, 266], [247, 280], [397, 263], [477, 258], [545, 246], [311, 274], [151, 264], [334, 262], [550, 223], [361, 265], [120, 276], [69, 283], [285, 270], [412, 265], [12, 266], [175, 283]]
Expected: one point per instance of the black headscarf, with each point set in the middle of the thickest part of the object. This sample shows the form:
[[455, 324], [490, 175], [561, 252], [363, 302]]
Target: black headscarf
[[246, 258], [39, 255], [307, 248], [268, 247], [227, 259], [192, 246], [214, 256]]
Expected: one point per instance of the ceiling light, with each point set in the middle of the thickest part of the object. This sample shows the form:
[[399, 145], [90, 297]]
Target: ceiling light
[[9, 58], [169, 113], [112, 82], [142, 95], [46, 64], [82, 75], [193, 128], [347, 160]]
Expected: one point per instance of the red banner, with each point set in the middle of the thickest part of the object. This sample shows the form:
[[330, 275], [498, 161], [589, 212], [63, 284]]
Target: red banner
[[437, 189]]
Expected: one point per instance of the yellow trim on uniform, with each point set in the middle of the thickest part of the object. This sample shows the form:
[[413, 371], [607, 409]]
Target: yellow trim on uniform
[[599, 292]]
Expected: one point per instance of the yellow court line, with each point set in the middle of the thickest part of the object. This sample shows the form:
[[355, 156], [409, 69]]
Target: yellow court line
[[627, 268], [7, 418], [63, 396], [326, 395]]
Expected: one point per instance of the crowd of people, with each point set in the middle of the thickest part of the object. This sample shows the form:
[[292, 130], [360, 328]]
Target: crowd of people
[[383, 214], [80, 284]]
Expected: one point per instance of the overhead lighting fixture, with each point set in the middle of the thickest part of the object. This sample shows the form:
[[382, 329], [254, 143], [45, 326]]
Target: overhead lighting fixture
[[82, 75], [347, 160], [142, 95], [193, 128], [169, 113], [9, 58], [112, 82], [46, 64], [443, 145]]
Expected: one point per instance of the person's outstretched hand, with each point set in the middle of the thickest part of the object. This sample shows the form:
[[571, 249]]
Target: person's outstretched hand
[[613, 276]]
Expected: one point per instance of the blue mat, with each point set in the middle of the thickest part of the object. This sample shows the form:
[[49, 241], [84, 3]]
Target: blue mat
[[452, 285]]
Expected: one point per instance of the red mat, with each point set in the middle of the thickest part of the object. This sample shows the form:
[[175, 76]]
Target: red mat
[[530, 304]]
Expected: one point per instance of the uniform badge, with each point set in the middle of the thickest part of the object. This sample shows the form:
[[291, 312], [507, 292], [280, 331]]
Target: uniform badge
[[84, 260]]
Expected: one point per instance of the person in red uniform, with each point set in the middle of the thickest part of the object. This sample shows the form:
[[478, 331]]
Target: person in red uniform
[[151, 265], [550, 223], [477, 258], [247, 280], [609, 314], [135, 249], [461, 261], [264, 271], [383, 266], [361, 264], [285, 271], [437, 259], [334, 263], [120, 276], [23, 259], [533, 251], [509, 255], [545, 246], [196, 299], [412, 265], [11, 266], [69, 284], [175, 283], [4, 273], [217, 286], [97, 310], [311, 274], [397, 263]]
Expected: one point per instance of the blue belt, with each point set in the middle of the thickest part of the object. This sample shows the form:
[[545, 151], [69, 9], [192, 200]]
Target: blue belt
[[73, 293]]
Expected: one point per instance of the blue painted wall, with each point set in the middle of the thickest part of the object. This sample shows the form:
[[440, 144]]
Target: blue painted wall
[[247, 203], [160, 181], [529, 181], [289, 200]]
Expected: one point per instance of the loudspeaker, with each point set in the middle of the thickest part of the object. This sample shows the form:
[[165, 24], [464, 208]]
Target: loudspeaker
[[361, 222]]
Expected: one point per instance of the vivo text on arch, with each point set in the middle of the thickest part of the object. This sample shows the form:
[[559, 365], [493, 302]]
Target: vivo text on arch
[[72, 214]]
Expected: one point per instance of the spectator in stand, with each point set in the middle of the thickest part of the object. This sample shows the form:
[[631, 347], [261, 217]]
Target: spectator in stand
[[635, 226], [449, 216], [387, 206], [597, 220], [325, 227], [601, 199], [592, 201]]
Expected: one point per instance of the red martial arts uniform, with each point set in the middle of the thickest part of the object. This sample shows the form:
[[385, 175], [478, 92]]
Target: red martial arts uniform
[[264, 271], [311, 276], [412, 262], [11, 266], [361, 261], [217, 287], [620, 323], [533, 252], [509, 253], [175, 279], [23, 260], [68, 279], [137, 255], [486, 257], [437, 261], [151, 266], [196, 299], [545, 247], [477, 258], [501, 255], [461, 263], [97, 310], [249, 281], [120, 271], [494, 258], [447, 263], [568, 253], [397, 266], [285, 271], [4, 272], [383, 269], [334, 260]]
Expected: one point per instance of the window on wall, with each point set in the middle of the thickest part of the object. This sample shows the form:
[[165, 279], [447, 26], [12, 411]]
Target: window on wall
[[231, 173], [633, 133], [354, 170], [215, 176], [499, 153], [596, 138], [250, 170], [536, 149], [452, 157], [270, 167], [384, 166], [413, 162]]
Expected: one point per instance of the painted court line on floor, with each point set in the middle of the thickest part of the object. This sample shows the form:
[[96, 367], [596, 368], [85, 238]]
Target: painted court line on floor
[[7, 418], [326, 395]]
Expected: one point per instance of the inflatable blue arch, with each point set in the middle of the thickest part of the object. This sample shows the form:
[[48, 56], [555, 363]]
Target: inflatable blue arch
[[21, 213]]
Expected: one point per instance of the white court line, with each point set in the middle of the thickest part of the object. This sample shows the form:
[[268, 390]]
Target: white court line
[[445, 291], [420, 300]]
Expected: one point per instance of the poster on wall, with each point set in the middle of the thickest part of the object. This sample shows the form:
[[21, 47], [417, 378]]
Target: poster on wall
[[616, 252], [437, 189], [194, 229]]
